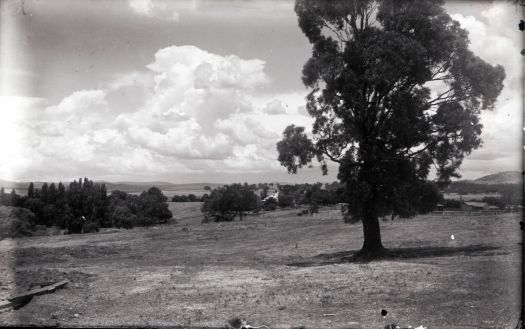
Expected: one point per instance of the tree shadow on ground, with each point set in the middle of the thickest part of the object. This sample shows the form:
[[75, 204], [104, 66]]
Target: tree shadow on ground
[[401, 254]]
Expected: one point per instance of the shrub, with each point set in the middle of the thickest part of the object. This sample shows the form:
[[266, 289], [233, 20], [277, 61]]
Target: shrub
[[303, 212], [75, 225], [123, 217], [449, 203], [285, 200], [269, 204], [313, 208], [16, 222], [498, 202], [153, 207], [20, 228], [90, 227], [144, 221]]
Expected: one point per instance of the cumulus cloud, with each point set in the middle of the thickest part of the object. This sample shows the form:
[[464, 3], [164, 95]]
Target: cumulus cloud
[[190, 111], [193, 111], [275, 107], [150, 8], [16, 139], [493, 40]]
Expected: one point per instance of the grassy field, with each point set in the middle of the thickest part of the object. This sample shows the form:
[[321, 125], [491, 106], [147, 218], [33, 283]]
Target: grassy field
[[276, 269]]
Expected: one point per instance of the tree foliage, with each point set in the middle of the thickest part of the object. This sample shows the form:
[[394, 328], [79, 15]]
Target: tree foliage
[[394, 91], [16, 222], [511, 194], [85, 206], [229, 201], [189, 198]]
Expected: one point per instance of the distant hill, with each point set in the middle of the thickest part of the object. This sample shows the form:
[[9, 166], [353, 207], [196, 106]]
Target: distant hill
[[481, 185], [169, 189], [505, 177], [505, 185]]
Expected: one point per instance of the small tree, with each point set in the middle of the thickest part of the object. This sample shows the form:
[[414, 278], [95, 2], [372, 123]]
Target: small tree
[[31, 190], [14, 199], [123, 217], [285, 200], [229, 201], [494, 201], [52, 193], [61, 190], [192, 198], [152, 205], [269, 204], [44, 192]]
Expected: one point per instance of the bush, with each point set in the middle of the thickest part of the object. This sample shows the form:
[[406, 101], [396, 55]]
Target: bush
[[75, 226], [179, 198], [449, 203], [153, 208], [144, 221], [285, 200], [123, 217], [498, 202], [90, 227], [128, 222], [314, 208], [16, 222], [269, 204], [303, 212], [347, 217], [20, 228]]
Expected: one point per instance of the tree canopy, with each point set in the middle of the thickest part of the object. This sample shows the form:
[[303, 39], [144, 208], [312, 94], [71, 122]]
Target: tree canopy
[[224, 203], [85, 206], [395, 91]]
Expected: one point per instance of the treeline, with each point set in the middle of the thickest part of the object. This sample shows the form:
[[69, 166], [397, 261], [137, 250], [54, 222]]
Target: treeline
[[511, 194], [189, 198], [236, 200], [491, 201], [230, 201], [85, 206], [313, 195]]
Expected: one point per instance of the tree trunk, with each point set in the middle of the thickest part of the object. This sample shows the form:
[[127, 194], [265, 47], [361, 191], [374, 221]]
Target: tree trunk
[[372, 235]]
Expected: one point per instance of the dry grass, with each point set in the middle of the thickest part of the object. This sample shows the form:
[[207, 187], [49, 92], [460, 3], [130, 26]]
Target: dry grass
[[273, 269]]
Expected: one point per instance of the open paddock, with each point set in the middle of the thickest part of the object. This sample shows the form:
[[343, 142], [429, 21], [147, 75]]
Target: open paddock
[[274, 269]]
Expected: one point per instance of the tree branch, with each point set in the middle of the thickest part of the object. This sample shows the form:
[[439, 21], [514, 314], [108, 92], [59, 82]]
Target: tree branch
[[440, 97]]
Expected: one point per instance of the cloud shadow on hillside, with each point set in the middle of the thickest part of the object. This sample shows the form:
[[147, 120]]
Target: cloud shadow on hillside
[[402, 254]]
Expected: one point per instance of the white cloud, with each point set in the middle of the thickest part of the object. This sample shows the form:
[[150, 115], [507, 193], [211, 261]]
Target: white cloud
[[191, 111], [275, 107], [194, 112], [494, 41], [16, 139], [194, 97], [157, 9]]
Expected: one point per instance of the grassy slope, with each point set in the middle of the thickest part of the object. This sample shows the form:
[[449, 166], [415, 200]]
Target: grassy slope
[[207, 274]]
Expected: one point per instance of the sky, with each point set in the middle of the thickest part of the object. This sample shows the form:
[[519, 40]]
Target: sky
[[190, 91]]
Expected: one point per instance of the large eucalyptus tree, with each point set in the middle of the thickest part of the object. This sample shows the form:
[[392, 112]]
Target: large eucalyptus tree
[[395, 90]]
